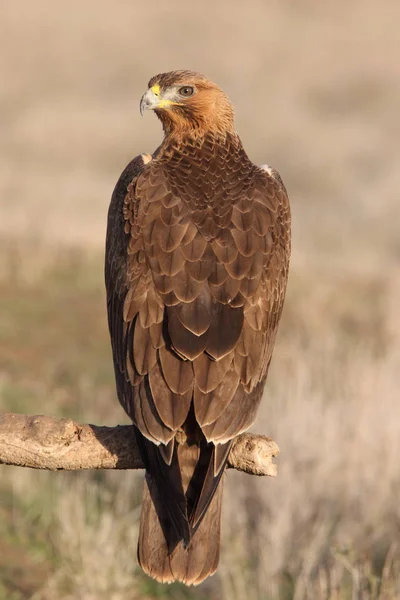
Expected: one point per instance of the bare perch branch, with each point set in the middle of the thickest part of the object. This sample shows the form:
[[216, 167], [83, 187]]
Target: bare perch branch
[[41, 442]]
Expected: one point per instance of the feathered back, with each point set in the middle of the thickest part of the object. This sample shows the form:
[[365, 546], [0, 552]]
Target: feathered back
[[197, 259]]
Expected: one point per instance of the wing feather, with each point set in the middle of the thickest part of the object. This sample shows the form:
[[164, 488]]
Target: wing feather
[[172, 408], [196, 272]]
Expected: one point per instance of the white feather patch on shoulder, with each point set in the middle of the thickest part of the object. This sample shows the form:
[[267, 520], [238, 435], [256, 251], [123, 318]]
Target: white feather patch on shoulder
[[270, 170]]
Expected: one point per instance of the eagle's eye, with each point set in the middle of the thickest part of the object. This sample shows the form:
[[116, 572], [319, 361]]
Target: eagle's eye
[[186, 91]]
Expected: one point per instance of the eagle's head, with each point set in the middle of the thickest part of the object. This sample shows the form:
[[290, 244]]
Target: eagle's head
[[186, 101]]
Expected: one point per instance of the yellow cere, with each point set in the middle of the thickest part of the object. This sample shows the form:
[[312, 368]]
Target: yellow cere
[[155, 89]]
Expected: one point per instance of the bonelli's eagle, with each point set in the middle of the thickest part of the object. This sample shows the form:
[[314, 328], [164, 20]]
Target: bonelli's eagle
[[197, 257]]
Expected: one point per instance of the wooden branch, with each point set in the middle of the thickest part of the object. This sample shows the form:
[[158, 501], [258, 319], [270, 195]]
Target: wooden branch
[[42, 442]]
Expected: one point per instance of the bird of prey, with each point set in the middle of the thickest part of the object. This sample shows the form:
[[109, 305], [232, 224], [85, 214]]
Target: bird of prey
[[197, 258]]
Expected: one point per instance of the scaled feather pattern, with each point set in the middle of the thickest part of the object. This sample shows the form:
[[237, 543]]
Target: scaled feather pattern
[[197, 259]]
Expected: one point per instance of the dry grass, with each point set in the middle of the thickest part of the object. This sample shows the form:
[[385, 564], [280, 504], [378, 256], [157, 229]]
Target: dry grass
[[315, 90], [327, 527]]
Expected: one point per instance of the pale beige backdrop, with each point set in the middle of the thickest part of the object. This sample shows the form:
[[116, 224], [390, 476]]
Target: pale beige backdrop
[[315, 85]]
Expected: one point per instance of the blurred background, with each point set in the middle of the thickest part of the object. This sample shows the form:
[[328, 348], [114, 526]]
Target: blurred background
[[316, 90]]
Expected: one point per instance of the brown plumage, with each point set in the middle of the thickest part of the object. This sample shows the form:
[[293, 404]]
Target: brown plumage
[[197, 258]]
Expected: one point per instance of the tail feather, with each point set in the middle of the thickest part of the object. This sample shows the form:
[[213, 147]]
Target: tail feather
[[191, 564], [216, 463], [167, 491], [181, 509]]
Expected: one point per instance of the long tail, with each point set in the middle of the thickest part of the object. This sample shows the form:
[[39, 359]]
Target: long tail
[[162, 553], [190, 565]]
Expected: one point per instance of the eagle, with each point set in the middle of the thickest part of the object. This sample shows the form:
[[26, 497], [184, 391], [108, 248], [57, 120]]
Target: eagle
[[197, 259]]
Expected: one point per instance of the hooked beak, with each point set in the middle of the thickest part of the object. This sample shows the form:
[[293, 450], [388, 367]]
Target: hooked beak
[[149, 100]]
